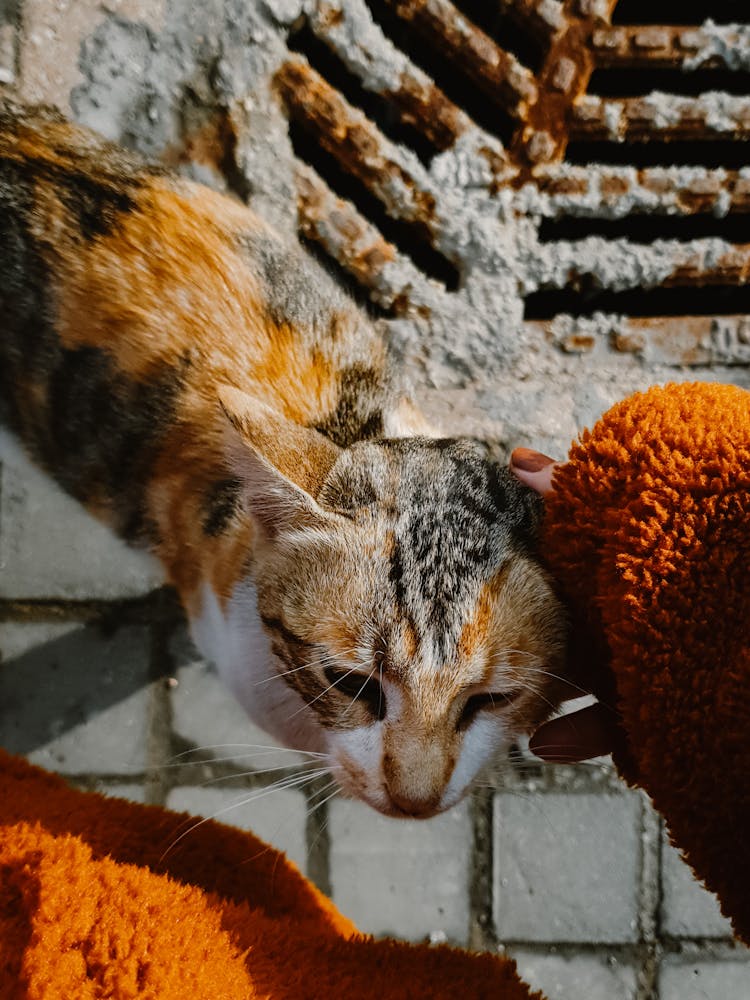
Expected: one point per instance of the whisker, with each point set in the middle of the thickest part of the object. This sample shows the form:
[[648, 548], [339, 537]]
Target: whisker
[[322, 658], [326, 821], [284, 673], [277, 786], [328, 798], [321, 791], [364, 685], [317, 697], [244, 746], [577, 687], [240, 757], [526, 686], [380, 686], [519, 652], [309, 775]]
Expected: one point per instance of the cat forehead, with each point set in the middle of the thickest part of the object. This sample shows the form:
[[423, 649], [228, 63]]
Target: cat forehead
[[458, 477], [449, 518]]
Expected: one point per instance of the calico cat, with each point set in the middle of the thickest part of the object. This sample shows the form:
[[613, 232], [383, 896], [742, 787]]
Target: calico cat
[[368, 593]]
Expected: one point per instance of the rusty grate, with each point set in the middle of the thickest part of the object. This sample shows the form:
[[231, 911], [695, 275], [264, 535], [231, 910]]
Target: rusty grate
[[612, 138]]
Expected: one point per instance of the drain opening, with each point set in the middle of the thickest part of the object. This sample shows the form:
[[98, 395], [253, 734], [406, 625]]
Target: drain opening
[[639, 302], [713, 153], [498, 23], [454, 81], [377, 108], [678, 12], [640, 82], [411, 238], [648, 228]]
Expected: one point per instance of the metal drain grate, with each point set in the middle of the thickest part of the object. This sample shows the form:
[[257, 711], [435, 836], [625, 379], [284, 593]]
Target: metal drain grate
[[611, 136]]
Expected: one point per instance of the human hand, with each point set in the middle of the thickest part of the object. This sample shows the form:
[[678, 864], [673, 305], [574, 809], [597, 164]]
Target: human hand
[[590, 731]]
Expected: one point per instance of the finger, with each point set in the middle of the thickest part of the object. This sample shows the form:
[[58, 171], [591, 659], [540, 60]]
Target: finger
[[533, 469], [590, 732]]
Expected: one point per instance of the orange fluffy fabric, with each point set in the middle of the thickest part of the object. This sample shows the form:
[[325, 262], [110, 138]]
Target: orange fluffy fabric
[[89, 910], [648, 533]]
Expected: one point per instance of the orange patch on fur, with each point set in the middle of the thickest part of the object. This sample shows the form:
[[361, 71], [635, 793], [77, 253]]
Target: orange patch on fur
[[196, 297], [411, 640], [164, 283], [476, 632]]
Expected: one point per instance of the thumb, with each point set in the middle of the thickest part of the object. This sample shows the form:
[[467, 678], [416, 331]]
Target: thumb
[[533, 469]]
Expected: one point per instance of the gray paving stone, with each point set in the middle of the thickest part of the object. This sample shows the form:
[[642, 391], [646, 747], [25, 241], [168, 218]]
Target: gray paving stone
[[9, 18], [51, 548], [133, 793], [407, 878], [688, 909], [278, 818], [566, 867], [206, 714], [704, 979], [73, 700], [577, 977]]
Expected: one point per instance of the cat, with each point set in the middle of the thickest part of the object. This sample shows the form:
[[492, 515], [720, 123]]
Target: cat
[[368, 590]]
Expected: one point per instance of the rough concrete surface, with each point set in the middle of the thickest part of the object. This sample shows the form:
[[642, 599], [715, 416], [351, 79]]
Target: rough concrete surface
[[561, 867]]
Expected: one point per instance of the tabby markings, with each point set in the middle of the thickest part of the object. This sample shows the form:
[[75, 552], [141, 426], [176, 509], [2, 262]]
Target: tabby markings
[[220, 504], [358, 414], [235, 639]]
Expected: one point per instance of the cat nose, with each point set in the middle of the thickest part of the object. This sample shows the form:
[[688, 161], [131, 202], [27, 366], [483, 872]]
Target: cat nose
[[411, 805], [416, 774]]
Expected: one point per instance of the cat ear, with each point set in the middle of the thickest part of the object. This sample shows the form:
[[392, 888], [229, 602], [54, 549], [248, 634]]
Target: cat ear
[[281, 464]]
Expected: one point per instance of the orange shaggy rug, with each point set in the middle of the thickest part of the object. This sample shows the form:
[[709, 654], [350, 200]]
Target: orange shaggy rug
[[87, 910], [648, 532]]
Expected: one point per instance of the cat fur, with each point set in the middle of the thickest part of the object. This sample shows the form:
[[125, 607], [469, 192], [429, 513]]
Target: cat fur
[[369, 592]]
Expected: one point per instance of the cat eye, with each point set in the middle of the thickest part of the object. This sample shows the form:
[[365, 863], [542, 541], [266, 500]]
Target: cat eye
[[488, 699], [355, 685]]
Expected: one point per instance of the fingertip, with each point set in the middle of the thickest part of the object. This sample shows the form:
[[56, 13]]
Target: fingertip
[[528, 460], [533, 469], [589, 732]]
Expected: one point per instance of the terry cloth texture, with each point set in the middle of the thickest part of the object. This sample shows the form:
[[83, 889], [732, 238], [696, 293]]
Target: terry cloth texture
[[648, 533], [94, 904]]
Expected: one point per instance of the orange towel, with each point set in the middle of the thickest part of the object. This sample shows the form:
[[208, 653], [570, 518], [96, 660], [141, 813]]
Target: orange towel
[[648, 533], [88, 910]]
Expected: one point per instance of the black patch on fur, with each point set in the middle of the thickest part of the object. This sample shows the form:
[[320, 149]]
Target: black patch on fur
[[96, 430], [105, 431], [396, 575], [27, 339], [95, 205], [220, 505], [498, 489], [358, 415], [525, 528], [348, 492]]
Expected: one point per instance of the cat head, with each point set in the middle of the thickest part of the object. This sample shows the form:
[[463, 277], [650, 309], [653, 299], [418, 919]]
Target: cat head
[[412, 634]]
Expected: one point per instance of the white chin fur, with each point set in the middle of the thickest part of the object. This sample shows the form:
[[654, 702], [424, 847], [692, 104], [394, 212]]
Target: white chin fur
[[236, 642]]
